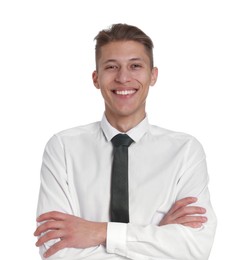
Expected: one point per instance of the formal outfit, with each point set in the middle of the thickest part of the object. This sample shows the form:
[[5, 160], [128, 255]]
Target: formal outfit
[[164, 166]]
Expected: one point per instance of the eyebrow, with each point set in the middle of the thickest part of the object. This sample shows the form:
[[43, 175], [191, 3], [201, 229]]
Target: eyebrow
[[114, 60]]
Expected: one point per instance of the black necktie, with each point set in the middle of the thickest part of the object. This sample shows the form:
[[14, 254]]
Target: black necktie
[[119, 183]]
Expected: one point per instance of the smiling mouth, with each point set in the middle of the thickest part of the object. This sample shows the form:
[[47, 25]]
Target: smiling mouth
[[125, 92]]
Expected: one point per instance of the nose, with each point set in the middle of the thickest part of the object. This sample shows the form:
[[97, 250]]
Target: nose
[[123, 75]]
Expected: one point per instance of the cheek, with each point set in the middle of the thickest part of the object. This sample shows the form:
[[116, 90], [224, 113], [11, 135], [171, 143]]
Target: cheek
[[105, 81], [144, 81], [105, 92]]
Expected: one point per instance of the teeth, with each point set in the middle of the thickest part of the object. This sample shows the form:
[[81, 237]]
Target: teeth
[[125, 92]]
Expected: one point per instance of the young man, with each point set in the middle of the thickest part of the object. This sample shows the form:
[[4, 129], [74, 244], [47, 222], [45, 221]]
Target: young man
[[168, 212]]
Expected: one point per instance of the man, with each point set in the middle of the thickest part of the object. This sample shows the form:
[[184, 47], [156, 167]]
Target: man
[[169, 212]]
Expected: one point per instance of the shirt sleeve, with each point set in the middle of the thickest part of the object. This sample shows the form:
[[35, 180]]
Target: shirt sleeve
[[172, 242], [55, 195]]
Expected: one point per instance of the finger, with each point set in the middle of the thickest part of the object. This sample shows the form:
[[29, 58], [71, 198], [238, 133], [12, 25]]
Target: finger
[[193, 224], [188, 210], [49, 236], [191, 219], [49, 225], [183, 220], [52, 215], [182, 203], [55, 248]]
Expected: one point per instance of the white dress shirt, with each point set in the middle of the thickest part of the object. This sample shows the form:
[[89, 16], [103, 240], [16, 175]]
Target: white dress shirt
[[164, 166]]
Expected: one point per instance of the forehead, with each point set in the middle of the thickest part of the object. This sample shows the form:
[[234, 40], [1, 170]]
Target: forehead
[[123, 50]]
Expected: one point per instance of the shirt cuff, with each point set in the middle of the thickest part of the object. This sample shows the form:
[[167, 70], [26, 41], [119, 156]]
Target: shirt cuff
[[116, 238]]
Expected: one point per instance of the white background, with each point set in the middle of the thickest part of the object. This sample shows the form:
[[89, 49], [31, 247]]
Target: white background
[[46, 61]]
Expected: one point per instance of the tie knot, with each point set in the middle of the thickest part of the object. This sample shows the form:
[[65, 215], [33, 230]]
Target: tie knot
[[121, 139]]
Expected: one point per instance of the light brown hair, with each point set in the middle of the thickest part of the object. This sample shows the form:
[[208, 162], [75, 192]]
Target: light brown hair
[[123, 32]]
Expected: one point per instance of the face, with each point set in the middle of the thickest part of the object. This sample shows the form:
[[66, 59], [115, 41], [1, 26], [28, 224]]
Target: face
[[124, 76]]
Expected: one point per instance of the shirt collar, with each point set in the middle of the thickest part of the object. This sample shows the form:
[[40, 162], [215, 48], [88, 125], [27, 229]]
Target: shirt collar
[[136, 133]]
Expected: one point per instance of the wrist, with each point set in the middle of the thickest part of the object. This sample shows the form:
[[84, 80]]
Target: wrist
[[102, 233]]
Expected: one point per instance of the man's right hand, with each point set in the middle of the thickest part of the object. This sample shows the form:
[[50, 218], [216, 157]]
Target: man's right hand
[[182, 213], [72, 231]]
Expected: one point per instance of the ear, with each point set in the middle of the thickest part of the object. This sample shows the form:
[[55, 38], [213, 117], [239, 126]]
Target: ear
[[95, 79], [154, 75]]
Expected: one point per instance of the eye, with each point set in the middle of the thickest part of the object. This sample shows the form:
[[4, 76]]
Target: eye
[[136, 66], [111, 67]]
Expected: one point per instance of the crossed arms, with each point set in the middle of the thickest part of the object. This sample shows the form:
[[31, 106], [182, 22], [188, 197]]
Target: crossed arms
[[75, 232], [185, 231]]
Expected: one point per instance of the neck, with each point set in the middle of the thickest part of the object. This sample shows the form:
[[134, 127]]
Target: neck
[[125, 123]]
